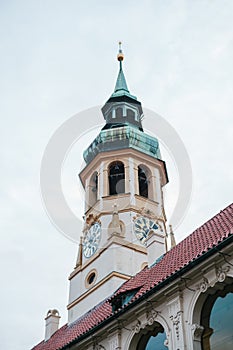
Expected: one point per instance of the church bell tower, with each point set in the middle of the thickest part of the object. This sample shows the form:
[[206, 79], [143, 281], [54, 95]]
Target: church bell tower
[[124, 227]]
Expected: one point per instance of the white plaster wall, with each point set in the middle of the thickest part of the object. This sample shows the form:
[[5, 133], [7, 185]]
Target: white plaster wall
[[115, 258], [93, 299]]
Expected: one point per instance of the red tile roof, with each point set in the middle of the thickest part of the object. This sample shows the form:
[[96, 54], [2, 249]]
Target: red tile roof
[[209, 235]]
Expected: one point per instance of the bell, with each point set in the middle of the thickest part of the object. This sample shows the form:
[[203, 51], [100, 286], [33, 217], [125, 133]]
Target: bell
[[117, 166]]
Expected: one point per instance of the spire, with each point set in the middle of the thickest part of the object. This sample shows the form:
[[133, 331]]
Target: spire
[[121, 88], [122, 108], [121, 82]]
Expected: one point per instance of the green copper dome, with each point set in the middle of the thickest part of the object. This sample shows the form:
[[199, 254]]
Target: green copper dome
[[120, 138]]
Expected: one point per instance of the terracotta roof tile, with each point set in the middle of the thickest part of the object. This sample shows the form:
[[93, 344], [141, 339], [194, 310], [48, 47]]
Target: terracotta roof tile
[[195, 245]]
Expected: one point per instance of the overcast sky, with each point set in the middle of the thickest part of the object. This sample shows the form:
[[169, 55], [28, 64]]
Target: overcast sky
[[59, 58]]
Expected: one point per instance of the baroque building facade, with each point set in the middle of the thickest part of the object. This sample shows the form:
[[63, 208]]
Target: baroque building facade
[[133, 288]]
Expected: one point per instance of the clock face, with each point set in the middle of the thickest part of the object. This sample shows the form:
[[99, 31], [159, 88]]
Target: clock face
[[91, 240], [142, 227]]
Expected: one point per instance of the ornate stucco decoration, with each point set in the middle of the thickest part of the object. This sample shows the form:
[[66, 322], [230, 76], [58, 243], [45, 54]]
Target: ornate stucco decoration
[[147, 213], [98, 347], [197, 331], [116, 226], [166, 341], [90, 220], [221, 273], [176, 320], [151, 316], [137, 327], [204, 285]]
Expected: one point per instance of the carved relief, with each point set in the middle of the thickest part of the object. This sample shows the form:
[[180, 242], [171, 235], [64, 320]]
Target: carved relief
[[221, 273], [204, 285], [90, 220], [116, 226], [166, 342], [197, 331], [176, 320], [151, 317], [137, 327], [98, 347], [113, 344], [147, 212]]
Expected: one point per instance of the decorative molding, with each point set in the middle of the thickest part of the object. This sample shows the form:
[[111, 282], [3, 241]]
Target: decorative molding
[[113, 344], [91, 219], [197, 331], [98, 347], [94, 287], [113, 240], [151, 316], [87, 283], [147, 213], [204, 285], [176, 320], [137, 327], [166, 342], [221, 273], [122, 154]]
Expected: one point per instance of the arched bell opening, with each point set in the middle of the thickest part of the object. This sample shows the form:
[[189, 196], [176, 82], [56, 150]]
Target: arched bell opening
[[93, 189], [116, 178], [142, 182]]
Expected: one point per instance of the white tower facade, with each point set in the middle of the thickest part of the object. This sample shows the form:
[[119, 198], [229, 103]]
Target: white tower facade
[[124, 214]]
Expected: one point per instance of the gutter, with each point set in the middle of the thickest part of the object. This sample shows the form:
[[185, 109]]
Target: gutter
[[171, 278]]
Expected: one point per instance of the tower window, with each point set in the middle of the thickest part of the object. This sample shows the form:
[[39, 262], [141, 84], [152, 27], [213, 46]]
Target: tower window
[[93, 190], [119, 112], [91, 278], [116, 178], [143, 182], [130, 114]]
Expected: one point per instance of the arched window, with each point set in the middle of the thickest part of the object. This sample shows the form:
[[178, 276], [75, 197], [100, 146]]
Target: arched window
[[217, 320], [116, 178], [143, 182], [93, 189], [153, 340]]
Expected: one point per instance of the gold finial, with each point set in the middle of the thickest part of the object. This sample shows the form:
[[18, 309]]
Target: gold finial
[[120, 55]]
